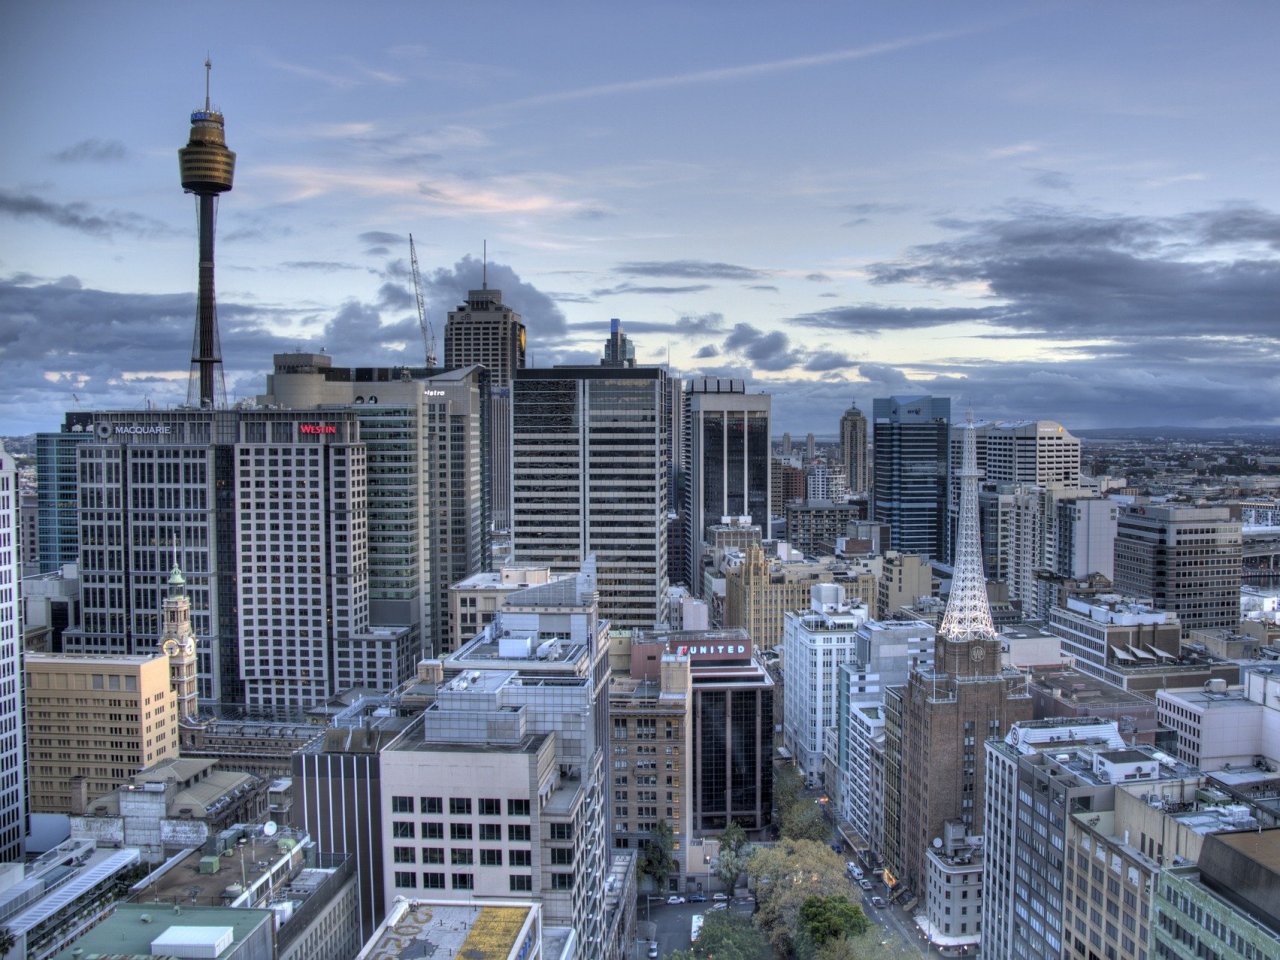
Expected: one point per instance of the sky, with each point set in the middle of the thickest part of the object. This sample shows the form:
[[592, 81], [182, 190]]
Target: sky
[[1066, 211]]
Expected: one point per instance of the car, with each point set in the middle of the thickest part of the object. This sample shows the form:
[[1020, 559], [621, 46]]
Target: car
[[878, 902], [720, 896], [853, 870], [675, 899], [653, 949], [697, 898], [866, 884], [719, 906]]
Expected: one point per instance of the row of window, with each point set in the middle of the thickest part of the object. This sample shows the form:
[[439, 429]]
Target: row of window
[[462, 806]]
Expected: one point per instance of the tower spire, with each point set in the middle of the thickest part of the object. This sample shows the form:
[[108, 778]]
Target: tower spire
[[968, 614]]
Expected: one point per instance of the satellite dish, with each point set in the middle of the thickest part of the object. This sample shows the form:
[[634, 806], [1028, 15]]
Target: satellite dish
[[937, 843], [269, 828]]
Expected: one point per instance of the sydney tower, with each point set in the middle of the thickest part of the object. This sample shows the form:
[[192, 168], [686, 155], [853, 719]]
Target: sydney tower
[[207, 170]]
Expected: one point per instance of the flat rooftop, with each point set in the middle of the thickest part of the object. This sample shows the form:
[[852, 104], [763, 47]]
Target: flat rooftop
[[474, 931]]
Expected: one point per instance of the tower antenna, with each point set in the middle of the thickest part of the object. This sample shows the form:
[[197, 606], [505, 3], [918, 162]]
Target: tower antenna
[[208, 69], [484, 266], [428, 335]]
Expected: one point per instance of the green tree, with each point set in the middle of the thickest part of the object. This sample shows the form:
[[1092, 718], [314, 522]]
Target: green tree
[[734, 837], [787, 787], [729, 867], [803, 820], [726, 936], [659, 861], [785, 876], [827, 919]]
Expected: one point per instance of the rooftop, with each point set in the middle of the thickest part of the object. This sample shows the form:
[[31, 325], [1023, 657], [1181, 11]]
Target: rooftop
[[422, 929], [134, 927]]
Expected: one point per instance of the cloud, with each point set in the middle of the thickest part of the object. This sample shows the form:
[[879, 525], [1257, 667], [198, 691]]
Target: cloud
[[825, 360], [710, 350], [766, 351], [818, 277], [689, 270], [77, 216], [92, 150], [446, 287], [659, 290], [763, 286], [875, 318], [1051, 179], [324, 266]]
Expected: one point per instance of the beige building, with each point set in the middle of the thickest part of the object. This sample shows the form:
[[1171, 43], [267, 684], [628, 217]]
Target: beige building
[[98, 716], [473, 602], [759, 591], [906, 578]]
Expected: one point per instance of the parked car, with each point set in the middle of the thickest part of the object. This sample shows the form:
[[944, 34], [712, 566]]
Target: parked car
[[853, 870], [878, 902], [697, 898], [675, 899], [719, 906], [653, 949], [865, 884], [720, 896]]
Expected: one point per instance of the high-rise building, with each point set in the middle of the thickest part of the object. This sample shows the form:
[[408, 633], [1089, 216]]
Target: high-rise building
[[619, 351], [56, 503], [853, 450], [1186, 560], [13, 773], [727, 464], [427, 484], [99, 718], [590, 449], [912, 464], [207, 168], [948, 710], [485, 332], [499, 792]]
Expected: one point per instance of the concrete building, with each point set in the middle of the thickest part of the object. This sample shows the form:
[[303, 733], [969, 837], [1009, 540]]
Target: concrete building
[[507, 931], [1186, 560], [1221, 727], [49, 903], [816, 641], [101, 718], [905, 580], [726, 465], [499, 790], [485, 332], [815, 526], [648, 715], [50, 605], [13, 773], [912, 465], [854, 453], [475, 600], [590, 458]]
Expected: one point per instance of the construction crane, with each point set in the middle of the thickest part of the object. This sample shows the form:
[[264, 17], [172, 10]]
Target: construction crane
[[428, 335]]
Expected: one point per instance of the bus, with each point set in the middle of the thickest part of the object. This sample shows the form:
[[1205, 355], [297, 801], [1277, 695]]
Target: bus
[[696, 930]]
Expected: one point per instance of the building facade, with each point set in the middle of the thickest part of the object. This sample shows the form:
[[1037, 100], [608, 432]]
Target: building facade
[[912, 465], [13, 774], [854, 453], [590, 448]]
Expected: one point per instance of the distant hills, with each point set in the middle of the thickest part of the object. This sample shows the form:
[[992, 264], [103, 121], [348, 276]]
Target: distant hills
[[1255, 433]]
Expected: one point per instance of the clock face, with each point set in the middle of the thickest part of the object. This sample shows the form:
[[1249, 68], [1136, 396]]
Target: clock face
[[171, 647], [977, 652]]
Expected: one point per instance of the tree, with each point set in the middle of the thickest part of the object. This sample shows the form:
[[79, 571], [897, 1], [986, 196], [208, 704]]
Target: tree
[[827, 919], [658, 861], [729, 867], [803, 820], [787, 787], [733, 838], [726, 937], [7, 941], [785, 876]]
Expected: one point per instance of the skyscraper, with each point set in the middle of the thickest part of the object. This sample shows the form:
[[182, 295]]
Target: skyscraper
[[485, 332], [1184, 559], [207, 169], [853, 449], [726, 470], [590, 451], [912, 461], [619, 351], [947, 711], [13, 773]]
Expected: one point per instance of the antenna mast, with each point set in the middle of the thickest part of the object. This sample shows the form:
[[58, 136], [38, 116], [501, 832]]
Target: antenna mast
[[428, 335]]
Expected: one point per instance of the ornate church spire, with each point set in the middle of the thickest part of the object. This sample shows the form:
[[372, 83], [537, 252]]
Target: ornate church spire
[[968, 614]]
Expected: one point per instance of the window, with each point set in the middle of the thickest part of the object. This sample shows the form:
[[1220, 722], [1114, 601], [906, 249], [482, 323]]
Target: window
[[517, 808], [401, 829], [459, 831], [404, 855], [490, 831], [461, 857], [518, 831], [561, 831], [463, 881], [402, 804], [433, 854], [562, 857], [433, 881], [431, 804], [460, 806], [433, 831], [521, 883], [490, 858], [490, 807], [562, 881], [406, 878], [519, 858]]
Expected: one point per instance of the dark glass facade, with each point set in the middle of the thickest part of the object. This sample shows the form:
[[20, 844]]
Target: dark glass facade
[[912, 465], [733, 742]]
